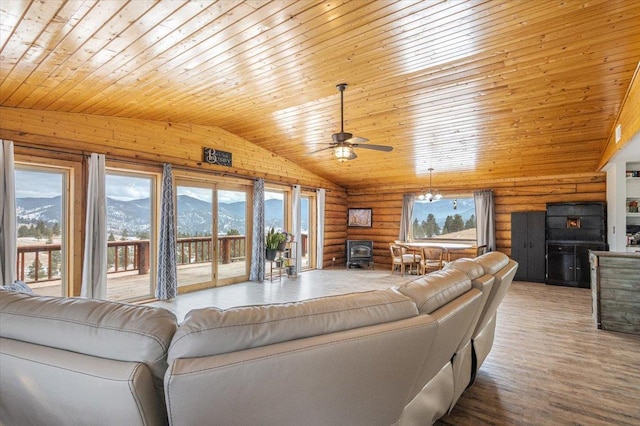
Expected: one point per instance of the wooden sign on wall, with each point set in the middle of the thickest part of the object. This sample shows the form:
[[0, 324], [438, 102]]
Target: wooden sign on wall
[[214, 156]]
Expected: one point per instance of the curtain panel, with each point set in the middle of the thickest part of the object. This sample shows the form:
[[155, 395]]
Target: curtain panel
[[94, 266], [258, 245], [167, 269], [296, 224], [320, 201], [485, 219], [8, 232], [405, 219]]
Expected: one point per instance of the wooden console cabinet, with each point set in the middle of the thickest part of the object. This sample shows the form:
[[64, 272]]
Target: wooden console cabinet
[[615, 287]]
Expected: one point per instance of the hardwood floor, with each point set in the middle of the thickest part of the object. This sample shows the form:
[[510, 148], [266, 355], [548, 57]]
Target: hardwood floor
[[549, 364]]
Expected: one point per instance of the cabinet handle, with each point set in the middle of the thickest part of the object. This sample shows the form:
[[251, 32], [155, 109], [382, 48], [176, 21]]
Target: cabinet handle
[[530, 245], [571, 268]]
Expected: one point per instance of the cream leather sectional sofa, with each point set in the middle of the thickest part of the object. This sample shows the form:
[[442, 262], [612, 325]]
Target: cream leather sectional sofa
[[398, 356]]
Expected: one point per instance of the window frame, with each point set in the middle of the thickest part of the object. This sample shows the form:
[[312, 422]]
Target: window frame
[[71, 257]]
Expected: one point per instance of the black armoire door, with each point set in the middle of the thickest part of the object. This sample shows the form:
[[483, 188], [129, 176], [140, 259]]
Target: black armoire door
[[528, 245]]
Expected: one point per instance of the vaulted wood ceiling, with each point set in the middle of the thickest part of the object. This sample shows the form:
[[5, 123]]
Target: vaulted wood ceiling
[[476, 90]]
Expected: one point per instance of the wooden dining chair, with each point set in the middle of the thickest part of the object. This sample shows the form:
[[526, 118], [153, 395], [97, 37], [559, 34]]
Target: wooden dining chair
[[432, 260], [401, 258]]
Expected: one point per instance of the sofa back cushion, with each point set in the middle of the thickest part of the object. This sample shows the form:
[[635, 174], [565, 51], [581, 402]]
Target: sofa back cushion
[[212, 331], [41, 385], [98, 328], [492, 262], [434, 290], [468, 266]]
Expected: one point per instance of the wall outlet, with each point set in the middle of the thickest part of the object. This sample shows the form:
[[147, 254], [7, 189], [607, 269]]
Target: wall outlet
[[333, 259]]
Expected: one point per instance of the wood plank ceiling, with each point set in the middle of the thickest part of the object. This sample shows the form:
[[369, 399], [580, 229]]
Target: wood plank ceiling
[[478, 90]]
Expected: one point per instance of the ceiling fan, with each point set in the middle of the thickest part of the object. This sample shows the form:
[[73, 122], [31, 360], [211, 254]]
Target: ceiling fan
[[343, 142]]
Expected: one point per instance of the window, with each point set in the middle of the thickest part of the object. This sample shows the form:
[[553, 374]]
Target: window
[[42, 206], [130, 234], [274, 210], [308, 229], [447, 218]]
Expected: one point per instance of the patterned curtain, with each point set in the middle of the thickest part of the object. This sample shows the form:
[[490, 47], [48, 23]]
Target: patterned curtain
[[405, 219], [167, 276], [485, 219], [320, 197], [257, 236], [94, 266], [296, 224], [8, 234]]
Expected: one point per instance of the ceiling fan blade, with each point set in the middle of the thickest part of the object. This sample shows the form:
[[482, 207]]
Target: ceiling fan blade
[[376, 147], [322, 149], [356, 139]]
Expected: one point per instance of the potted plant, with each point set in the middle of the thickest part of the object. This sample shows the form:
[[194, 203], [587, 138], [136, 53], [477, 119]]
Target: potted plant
[[291, 269], [273, 242]]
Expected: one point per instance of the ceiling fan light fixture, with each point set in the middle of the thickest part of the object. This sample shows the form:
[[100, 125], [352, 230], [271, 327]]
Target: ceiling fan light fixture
[[343, 153]]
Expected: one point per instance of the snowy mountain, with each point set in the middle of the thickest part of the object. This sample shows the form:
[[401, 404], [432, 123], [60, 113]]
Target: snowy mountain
[[31, 210], [194, 215]]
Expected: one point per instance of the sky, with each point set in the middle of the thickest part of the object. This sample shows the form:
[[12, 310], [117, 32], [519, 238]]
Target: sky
[[125, 188]]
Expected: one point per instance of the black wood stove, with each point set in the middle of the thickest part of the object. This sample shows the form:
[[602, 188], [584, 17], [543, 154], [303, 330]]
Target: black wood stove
[[359, 252]]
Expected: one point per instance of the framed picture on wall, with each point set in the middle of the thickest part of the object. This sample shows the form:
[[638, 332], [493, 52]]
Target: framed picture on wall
[[359, 218]]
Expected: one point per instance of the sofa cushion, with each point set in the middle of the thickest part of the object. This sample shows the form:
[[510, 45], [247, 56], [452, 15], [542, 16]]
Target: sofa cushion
[[492, 262], [213, 331], [436, 289], [468, 266], [99, 328]]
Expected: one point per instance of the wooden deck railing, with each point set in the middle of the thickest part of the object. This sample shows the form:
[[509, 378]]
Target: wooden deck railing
[[133, 255], [128, 256]]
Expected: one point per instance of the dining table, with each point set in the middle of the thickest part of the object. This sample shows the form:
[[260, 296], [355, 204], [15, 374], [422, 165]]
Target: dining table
[[446, 247]]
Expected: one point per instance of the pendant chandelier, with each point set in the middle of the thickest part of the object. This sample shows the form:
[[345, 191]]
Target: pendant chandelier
[[430, 195]]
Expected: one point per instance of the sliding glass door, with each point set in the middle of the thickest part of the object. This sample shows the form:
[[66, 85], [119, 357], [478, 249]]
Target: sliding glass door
[[212, 227], [232, 236]]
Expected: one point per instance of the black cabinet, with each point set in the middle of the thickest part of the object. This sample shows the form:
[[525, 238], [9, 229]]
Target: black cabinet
[[568, 263], [527, 245], [572, 230]]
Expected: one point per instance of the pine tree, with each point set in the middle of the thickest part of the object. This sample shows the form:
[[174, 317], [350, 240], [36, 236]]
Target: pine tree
[[31, 272], [431, 227], [417, 232], [471, 223], [23, 231]]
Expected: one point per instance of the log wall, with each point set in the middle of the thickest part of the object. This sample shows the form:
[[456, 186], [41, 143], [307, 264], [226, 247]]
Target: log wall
[[511, 195]]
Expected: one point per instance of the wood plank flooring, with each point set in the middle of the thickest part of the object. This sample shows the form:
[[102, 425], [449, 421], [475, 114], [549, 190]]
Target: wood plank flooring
[[549, 364]]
